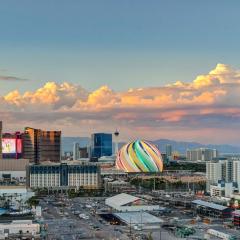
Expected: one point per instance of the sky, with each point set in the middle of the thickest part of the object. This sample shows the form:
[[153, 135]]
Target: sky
[[93, 66]]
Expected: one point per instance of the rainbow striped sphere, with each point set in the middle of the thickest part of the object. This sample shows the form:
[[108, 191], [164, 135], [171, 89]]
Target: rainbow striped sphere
[[139, 156]]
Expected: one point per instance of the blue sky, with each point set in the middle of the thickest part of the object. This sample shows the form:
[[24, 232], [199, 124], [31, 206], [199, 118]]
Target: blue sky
[[137, 44], [122, 44]]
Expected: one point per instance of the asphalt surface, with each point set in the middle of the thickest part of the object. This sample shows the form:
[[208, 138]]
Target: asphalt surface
[[63, 221]]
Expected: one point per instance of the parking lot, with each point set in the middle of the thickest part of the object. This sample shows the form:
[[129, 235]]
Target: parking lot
[[78, 218]]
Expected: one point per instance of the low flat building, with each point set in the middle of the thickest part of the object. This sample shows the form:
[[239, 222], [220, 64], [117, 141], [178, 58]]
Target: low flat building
[[13, 169], [223, 189], [210, 209], [139, 220], [118, 186], [16, 227], [63, 175], [236, 218], [127, 203]]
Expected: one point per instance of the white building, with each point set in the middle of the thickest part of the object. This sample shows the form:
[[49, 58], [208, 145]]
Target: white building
[[127, 203], [201, 154], [214, 171], [76, 151], [223, 170], [236, 172], [20, 226], [223, 189]]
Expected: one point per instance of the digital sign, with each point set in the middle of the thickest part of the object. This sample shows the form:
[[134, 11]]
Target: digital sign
[[8, 146], [139, 156]]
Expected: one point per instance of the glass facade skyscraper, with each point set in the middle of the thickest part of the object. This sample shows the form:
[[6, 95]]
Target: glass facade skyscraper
[[101, 145]]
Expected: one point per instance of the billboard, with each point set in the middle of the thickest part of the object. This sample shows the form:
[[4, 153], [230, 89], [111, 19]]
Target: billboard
[[8, 146]]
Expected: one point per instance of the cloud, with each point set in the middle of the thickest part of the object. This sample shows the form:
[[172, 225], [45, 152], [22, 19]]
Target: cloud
[[11, 78], [210, 102]]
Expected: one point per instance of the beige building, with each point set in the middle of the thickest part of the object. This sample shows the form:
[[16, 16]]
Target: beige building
[[8, 230], [14, 168]]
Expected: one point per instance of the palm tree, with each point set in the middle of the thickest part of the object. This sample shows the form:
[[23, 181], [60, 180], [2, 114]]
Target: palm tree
[[149, 237]]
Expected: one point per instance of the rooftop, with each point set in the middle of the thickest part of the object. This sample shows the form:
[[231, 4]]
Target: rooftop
[[138, 218], [123, 199], [210, 205]]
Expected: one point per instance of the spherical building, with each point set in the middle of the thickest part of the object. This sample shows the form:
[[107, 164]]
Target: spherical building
[[139, 156]]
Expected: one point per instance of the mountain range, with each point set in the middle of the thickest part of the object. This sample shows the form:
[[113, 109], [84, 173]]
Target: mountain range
[[180, 146]]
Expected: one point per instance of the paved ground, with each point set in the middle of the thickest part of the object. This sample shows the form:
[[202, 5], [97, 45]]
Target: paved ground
[[63, 224]]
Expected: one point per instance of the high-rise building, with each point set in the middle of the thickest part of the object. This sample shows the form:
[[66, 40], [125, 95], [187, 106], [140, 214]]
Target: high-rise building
[[214, 171], [223, 171], [40, 146], [201, 154], [169, 150], [236, 172], [0, 139], [101, 145], [76, 151]]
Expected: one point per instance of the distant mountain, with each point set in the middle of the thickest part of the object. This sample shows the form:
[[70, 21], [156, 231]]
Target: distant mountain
[[67, 145], [183, 146]]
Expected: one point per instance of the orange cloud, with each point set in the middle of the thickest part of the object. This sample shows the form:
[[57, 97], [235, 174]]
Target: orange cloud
[[209, 99]]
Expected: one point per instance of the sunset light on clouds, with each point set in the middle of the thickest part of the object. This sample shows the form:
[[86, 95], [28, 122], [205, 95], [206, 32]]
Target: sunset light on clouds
[[209, 103]]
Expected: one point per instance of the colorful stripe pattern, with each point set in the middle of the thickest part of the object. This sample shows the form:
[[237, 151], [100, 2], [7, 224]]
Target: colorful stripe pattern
[[139, 156]]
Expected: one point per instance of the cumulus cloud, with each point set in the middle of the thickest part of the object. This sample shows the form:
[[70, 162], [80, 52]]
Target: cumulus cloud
[[210, 101]]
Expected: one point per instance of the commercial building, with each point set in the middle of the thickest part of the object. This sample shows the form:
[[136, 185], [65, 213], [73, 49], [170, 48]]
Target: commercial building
[[201, 154], [40, 146], [101, 145], [127, 203], [25, 227], [221, 233], [64, 175], [83, 152], [223, 189], [76, 152], [118, 186], [0, 139], [113, 173], [13, 169], [210, 209], [236, 218], [169, 150], [139, 220]]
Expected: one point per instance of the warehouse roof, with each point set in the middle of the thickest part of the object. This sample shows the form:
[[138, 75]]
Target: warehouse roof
[[138, 218], [210, 205], [122, 199]]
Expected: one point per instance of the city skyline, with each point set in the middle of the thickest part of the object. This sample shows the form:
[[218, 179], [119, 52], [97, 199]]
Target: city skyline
[[162, 69]]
